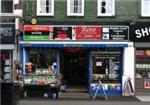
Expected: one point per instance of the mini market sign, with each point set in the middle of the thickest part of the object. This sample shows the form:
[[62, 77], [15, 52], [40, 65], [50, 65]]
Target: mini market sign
[[37, 32]]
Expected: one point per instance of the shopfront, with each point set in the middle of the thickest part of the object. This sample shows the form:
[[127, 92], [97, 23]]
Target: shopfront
[[7, 47], [140, 35], [83, 55]]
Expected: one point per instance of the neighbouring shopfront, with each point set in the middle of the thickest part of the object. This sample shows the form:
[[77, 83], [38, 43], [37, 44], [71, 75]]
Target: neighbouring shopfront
[[140, 35], [7, 47], [82, 55]]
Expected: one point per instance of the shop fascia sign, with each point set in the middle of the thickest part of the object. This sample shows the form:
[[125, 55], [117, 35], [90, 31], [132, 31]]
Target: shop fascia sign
[[36, 32], [79, 32], [62, 33], [142, 32], [87, 33]]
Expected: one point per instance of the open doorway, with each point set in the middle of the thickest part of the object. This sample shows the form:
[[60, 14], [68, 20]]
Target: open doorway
[[73, 67]]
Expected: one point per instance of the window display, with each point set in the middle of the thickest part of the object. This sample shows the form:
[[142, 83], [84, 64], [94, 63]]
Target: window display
[[143, 63], [106, 66], [41, 68]]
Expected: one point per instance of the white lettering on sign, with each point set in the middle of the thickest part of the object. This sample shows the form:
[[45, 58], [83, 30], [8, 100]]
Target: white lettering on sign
[[88, 30], [143, 32]]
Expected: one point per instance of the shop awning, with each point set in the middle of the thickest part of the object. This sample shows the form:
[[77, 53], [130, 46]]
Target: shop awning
[[62, 44]]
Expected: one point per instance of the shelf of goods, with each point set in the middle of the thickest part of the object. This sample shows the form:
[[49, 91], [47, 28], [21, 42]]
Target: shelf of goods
[[42, 77]]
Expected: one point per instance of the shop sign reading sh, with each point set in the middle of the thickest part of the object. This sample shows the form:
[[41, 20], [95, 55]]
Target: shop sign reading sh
[[143, 32]]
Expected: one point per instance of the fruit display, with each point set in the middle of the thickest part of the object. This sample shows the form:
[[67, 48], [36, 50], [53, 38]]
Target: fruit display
[[42, 77]]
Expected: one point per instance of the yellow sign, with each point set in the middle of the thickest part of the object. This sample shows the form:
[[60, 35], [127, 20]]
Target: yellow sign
[[33, 21]]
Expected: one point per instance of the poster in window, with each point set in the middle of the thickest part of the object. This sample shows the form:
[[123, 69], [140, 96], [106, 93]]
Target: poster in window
[[7, 69], [147, 83], [98, 63], [62, 33], [143, 53], [7, 62]]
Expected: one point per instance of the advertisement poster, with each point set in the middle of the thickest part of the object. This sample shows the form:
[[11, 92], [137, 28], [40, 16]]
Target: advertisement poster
[[115, 33], [7, 33], [38, 32], [143, 53], [147, 83], [119, 33], [88, 33], [62, 33], [98, 63]]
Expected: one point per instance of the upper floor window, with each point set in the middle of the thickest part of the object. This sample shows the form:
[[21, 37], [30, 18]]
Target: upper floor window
[[145, 8], [6, 7], [75, 7], [45, 7], [106, 8]]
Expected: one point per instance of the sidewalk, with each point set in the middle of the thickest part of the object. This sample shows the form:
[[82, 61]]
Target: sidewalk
[[143, 96], [86, 97], [98, 101]]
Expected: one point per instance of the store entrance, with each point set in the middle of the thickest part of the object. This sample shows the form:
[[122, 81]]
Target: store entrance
[[73, 67]]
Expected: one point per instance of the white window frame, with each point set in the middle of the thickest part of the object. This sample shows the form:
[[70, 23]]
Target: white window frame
[[7, 14], [74, 14], [105, 14], [142, 10], [44, 14]]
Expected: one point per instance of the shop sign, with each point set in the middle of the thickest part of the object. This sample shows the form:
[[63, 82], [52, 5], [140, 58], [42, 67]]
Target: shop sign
[[88, 33], [118, 33], [38, 32], [147, 83], [143, 53], [62, 33], [140, 32], [7, 33]]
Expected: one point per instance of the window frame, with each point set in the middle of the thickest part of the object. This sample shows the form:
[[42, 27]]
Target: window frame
[[44, 14], [74, 14], [99, 14], [142, 10], [7, 14]]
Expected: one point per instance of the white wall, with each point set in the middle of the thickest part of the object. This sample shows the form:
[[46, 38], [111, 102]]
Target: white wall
[[128, 67]]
